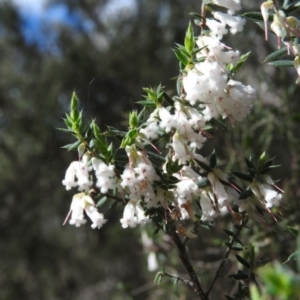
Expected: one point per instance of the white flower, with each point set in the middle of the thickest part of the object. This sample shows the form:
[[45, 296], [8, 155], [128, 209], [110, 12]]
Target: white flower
[[138, 177], [152, 125], [231, 5], [218, 188], [97, 218], [180, 148], [167, 121], [208, 212], [83, 203], [152, 261], [133, 215], [129, 217], [218, 29], [235, 22], [105, 175], [78, 170], [266, 193]]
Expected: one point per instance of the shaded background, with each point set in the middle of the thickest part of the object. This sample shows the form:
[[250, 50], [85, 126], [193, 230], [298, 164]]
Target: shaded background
[[107, 51]]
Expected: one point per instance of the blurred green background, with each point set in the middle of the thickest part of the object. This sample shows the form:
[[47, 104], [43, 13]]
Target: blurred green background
[[107, 51]]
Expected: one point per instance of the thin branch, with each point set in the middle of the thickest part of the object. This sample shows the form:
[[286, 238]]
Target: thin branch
[[195, 284], [178, 278], [224, 259]]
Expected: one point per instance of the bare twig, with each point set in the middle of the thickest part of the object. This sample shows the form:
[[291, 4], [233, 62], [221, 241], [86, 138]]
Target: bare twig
[[178, 278], [194, 283], [225, 257]]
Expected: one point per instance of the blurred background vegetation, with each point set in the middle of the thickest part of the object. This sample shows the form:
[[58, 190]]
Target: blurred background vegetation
[[107, 53]]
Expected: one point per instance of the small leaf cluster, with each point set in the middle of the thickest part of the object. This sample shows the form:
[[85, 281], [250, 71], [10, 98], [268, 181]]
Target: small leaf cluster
[[255, 172]]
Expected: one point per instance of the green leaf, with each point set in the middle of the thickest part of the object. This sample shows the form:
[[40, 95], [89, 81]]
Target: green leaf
[[242, 176], [101, 201], [249, 163], [294, 231], [148, 103], [240, 63], [268, 169], [237, 248], [72, 146], [196, 15], [204, 166], [243, 261], [268, 163], [74, 112], [254, 16], [282, 63], [68, 122], [189, 39], [293, 256], [288, 8], [229, 232], [168, 98], [181, 57], [213, 160], [275, 55]]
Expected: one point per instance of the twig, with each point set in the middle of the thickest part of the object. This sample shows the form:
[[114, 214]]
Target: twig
[[224, 259], [194, 283], [186, 281]]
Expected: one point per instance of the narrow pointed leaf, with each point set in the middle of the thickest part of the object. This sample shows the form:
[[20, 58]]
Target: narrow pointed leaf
[[282, 63], [275, 55], [249, 163], [229, 232], [294, 231], [243, 176], [213, 160], [291, 7], [243, 261], [203, 165]]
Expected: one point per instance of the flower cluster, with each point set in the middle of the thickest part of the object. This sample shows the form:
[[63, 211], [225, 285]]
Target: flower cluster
[[151, 191]]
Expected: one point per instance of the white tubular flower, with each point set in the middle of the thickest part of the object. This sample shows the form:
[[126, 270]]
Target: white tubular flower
[[231, 5], [152, 261], [78, 170], [218, 188], [105, 175], [167, 121], [238, 101], [151, 130], [133, 215], [180, 148], [70, 177], [278, 26], [77, 209], [265, 7], [138, 177], [83, 203], [148, 246], [266, 193], [129, 218], [140, 213], [208, 212], [97, 218], [235, 23], [218, 29]]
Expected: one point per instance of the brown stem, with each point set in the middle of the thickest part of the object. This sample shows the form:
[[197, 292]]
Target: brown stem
[[194, 283], [203, 13], [224, 260]]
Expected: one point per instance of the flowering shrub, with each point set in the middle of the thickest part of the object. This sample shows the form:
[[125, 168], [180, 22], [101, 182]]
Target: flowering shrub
[[155, 171]]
